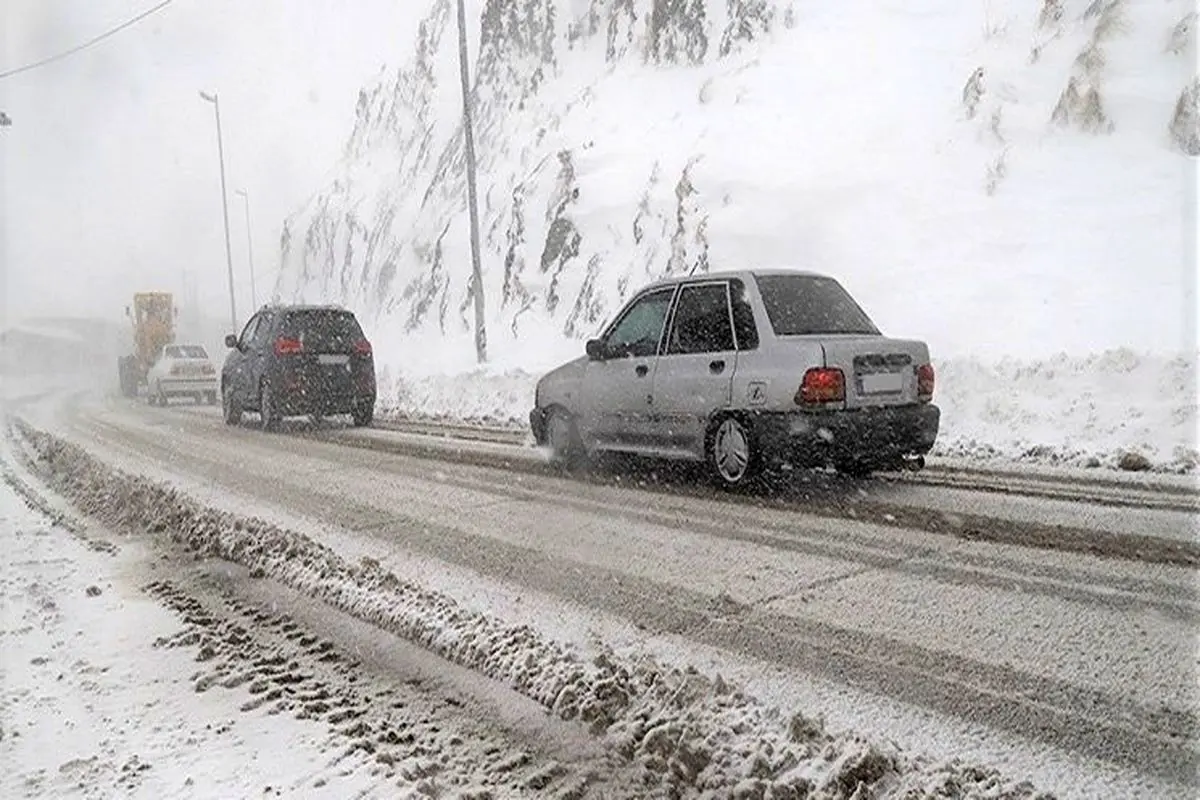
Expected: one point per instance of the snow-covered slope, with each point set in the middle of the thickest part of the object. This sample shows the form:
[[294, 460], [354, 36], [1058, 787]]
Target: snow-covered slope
[[1007, 179], [998, 177]]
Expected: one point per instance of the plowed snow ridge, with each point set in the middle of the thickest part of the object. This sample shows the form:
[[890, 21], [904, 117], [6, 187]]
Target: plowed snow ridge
[[689, 733]]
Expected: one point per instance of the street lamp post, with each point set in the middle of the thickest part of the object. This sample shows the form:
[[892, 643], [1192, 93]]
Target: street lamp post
[[212, 98], [472, 202], [249, 247]]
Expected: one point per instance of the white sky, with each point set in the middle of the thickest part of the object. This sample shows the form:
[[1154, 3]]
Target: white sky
[[110, 172]]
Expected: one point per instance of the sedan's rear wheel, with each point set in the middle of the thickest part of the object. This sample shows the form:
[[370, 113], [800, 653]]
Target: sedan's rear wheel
[[230, 410], [732, 452]]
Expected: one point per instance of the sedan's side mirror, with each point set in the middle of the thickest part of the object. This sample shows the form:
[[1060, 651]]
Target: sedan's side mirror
[[231, 341], [596, 349]]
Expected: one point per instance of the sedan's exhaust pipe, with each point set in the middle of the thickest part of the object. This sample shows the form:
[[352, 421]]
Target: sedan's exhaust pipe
[[915, 463]]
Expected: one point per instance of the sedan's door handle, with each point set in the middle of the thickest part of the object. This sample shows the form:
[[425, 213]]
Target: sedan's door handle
[[716, 367], [641, 370]]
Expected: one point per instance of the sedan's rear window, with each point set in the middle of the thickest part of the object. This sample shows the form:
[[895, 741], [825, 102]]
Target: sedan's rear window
[[321, 330], [189, 351], [799, 305]]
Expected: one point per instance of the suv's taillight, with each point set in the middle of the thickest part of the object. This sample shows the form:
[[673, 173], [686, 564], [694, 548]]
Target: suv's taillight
[[362, 347], [925, 382], [822, 385], [287, 346]]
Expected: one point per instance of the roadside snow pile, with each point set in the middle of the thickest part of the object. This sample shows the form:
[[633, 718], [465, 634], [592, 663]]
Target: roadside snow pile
[[493, 397], [688, 733], [1093, 411], [1099, 411]]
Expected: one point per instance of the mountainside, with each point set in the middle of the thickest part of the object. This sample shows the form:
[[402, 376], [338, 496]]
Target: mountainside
[[1003, 177]]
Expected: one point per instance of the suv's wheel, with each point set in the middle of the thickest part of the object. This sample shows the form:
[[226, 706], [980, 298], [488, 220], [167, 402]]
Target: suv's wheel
[[363, 415], [562, 437], [230, 409], [732, 452], [268, 411]]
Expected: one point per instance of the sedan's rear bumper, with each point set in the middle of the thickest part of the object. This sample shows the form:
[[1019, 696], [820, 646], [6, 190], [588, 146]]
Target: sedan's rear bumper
[[871, 435], [187, 385]]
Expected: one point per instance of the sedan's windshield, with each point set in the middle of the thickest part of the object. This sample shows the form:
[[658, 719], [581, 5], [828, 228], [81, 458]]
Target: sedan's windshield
[[799, 305]]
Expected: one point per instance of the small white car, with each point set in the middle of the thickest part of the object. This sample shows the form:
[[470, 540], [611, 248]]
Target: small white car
[[183, 370], [742, 370]]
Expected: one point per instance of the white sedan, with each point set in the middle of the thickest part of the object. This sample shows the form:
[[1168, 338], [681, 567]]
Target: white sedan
[[183, 370]]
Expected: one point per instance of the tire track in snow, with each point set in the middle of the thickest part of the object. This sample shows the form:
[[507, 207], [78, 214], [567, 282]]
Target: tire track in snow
[[1092, 722], [685, 732]]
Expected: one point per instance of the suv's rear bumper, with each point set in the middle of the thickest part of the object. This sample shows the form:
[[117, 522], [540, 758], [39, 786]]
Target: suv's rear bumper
[[871, 435], [303, 388], [295, 404]]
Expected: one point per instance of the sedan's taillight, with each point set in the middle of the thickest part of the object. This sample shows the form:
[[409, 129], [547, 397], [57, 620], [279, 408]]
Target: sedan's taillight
[[362, 347], [287, 346], [821, 385], [176, 369], [925, 380], [208, 369]]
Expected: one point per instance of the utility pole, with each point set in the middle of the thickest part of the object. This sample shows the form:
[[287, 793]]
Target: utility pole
[[212, 98], [249, 248], [469, 139]]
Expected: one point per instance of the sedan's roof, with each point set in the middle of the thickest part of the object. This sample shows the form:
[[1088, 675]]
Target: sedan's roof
[[177, 346], [732, 273]]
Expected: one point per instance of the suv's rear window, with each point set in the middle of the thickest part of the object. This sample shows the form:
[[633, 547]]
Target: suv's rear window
[[320, 330], [799, 305]]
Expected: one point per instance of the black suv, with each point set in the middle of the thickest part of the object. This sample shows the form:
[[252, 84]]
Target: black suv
[[299, 360]]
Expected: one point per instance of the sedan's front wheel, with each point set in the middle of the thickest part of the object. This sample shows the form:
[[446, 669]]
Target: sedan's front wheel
[[732, 452], [562, 437]]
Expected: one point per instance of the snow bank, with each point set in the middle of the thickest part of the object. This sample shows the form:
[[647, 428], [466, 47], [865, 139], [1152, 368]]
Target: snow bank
[[1086, 411], [687, 732], [1089, 411]]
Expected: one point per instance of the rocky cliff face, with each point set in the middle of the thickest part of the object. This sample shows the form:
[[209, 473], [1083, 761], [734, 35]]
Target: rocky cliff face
[[389, 235], [622, 140]]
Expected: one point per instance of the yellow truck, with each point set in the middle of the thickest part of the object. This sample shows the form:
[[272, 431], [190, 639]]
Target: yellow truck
[[153, 316]]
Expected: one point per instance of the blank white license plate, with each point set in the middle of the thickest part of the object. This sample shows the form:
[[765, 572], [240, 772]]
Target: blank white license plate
[[333, 359], [886, 383]]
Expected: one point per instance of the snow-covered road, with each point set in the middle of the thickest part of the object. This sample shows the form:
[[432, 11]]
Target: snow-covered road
[[1075, 671]]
